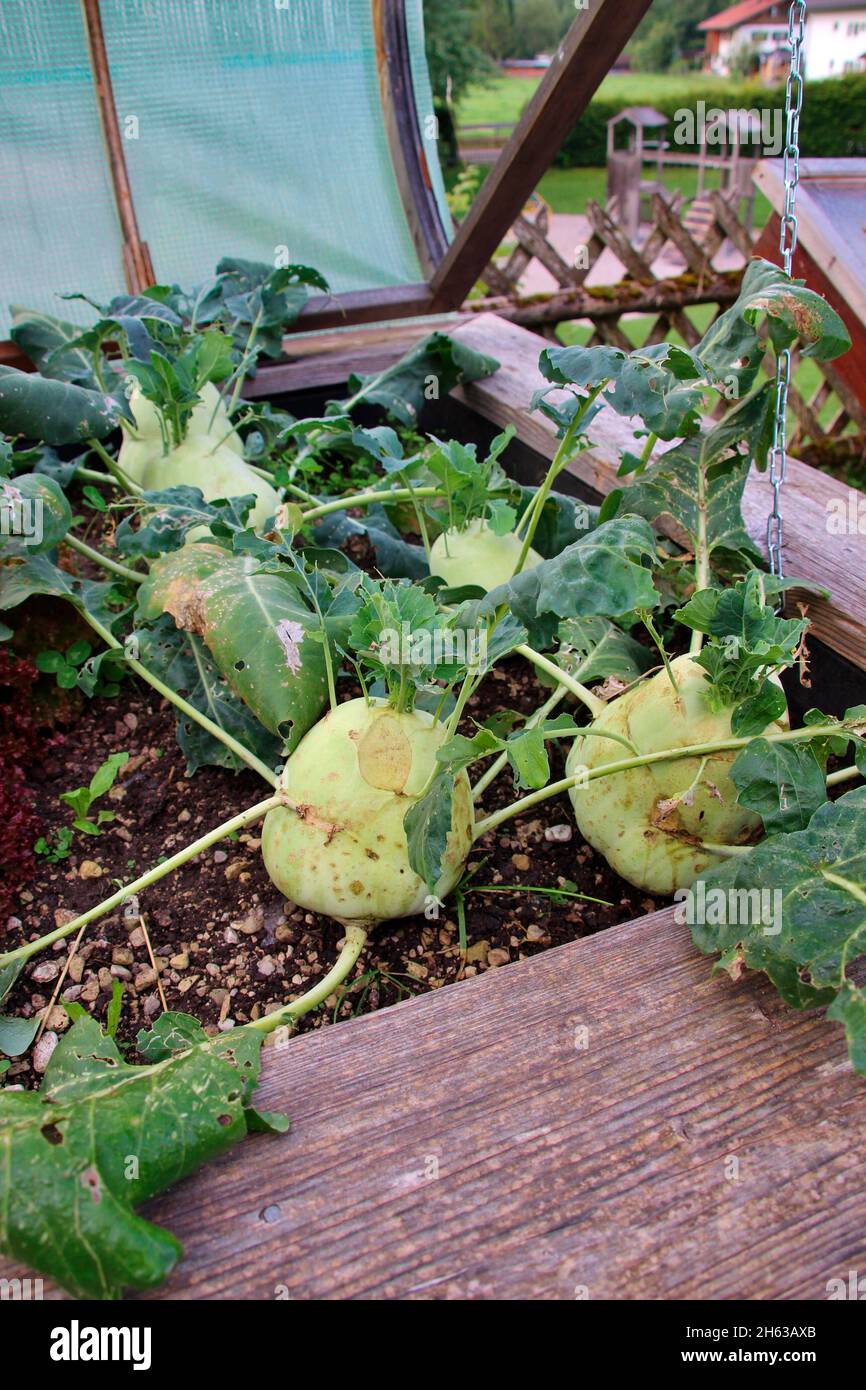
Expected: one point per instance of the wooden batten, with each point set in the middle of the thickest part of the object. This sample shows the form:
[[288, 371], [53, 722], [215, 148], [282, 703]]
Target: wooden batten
[[814, 551], [595, 40], [400, 115], [137, 266]]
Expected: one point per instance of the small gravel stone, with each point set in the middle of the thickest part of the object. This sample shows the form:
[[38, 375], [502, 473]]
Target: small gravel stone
[[558, 834], [266, 966], [43, 1050], [219, 856], [48, 971], [497, 956], [520, 861], [89, 869]]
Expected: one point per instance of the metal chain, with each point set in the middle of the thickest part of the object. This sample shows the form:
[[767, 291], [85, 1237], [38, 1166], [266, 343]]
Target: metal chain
[[787, 246]]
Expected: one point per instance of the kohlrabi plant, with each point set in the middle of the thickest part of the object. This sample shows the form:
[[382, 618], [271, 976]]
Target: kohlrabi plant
[[662, 654]]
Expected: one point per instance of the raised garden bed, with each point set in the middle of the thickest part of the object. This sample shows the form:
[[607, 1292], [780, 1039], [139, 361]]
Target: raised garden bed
[[220, 920]]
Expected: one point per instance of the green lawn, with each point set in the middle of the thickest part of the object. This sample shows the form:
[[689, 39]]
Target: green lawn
[[504, 98], [567, 190]]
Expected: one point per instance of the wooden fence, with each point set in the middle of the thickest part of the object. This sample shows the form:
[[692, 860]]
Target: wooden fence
[[828, 421]]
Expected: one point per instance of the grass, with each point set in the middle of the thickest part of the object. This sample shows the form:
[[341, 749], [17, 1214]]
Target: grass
[[567, 190], [504, 98]]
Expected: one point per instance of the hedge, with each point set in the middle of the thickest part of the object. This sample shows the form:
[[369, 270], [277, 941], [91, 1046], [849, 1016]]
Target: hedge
[[833, 121]]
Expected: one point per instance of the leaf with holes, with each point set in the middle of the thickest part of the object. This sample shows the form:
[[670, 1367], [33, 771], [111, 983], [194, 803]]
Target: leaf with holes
[[183, 662], [437, 362], [51, 345], [595, 648], [255, 626], [814, 883], [101, 1137], [731, 346], [53, 411]]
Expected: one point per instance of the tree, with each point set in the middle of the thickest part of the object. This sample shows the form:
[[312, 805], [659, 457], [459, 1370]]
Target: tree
[[668, 29], [454, 59], [538, 26]]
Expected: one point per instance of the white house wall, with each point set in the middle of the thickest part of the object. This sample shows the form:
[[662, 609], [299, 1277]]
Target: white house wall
[[835, 42]]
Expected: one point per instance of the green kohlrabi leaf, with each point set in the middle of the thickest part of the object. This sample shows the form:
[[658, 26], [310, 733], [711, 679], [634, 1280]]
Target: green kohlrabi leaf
[[563, 521], [22, 578], [427, 825], [594, 648], [16, 1034], [101, 1137], [427, 372], [731, 348], [663, 385], [260, 634], [34, 515], [783, 782], [183, 661], [700, 497], [164, 520], [48, 342], [394, 557], [795, 907], [607, 573], [53, 411]]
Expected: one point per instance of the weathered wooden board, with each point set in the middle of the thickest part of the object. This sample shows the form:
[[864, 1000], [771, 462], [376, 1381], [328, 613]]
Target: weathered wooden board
[[697, 1140], [813, 551]]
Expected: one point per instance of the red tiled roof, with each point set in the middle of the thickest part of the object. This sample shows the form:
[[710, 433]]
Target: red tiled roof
[[753, 9], [739, 14]]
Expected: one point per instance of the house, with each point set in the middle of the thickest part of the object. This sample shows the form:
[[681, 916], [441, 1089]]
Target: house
[[752, 36]]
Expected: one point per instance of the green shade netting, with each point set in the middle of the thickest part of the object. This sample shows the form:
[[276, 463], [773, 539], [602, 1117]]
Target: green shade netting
[[251, 129]]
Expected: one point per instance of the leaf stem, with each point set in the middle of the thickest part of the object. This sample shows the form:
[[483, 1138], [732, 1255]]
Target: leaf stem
[[239, 822], [586, 697], [115, 469], [557, 463], [181, 704], [371, 496], [532, 722], [352, 948], [694, 750], [113, 566]]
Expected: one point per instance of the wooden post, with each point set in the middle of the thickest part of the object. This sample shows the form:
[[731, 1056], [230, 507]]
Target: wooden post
[[596, 38], [136, 256]]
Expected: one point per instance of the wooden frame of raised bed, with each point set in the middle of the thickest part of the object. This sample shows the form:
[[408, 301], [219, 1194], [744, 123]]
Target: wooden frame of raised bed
[[605, 1120]]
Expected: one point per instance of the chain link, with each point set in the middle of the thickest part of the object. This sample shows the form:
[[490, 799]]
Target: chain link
[[787, 246]]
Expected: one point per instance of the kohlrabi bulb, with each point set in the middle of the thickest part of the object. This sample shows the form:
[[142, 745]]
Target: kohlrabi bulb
[[648, 822], [341, 849], [218, 472], [476, 555], [209, 420]]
